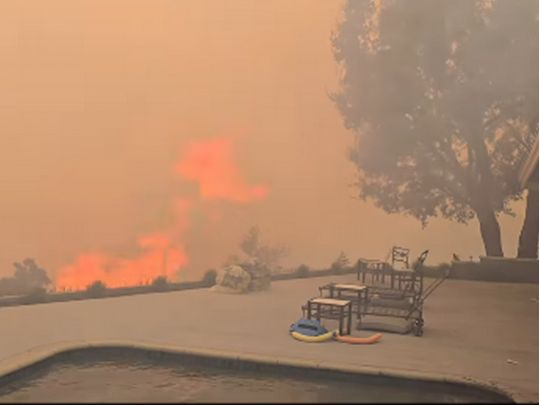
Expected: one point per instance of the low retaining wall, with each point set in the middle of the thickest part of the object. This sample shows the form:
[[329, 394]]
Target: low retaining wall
[[313, 273], [108, 293], [497, 269]]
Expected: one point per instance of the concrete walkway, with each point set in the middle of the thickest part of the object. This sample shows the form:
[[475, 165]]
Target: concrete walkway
[[472, 329]]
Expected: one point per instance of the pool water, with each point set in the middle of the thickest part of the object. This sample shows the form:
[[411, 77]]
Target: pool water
[[118, 378]]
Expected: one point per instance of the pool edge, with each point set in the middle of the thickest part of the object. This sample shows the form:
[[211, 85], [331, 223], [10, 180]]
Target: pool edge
[[41, 353]]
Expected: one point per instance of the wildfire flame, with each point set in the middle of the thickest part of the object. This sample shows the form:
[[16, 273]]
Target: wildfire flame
[[210, 163]]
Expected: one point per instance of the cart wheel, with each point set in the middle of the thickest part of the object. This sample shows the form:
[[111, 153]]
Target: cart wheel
[[418, 327]]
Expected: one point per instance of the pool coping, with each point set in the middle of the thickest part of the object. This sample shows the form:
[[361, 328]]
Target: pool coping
[[38, 354]]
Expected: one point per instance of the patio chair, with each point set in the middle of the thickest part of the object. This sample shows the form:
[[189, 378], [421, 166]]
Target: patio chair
[[400, 255], [406, 284], [413, 279]]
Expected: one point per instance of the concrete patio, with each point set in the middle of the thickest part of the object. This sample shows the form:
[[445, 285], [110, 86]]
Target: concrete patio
[[484, 331]]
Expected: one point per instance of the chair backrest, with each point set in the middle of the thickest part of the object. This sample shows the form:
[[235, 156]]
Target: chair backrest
[[400, 255], [420, 261]]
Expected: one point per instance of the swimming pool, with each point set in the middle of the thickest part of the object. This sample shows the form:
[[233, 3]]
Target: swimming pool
[[130, 375]]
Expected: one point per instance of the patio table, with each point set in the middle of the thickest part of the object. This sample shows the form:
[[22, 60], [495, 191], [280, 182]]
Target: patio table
[[359, 295], [324, 308]]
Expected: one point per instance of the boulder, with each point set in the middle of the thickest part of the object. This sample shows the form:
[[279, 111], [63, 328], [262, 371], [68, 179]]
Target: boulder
[[232, 279]]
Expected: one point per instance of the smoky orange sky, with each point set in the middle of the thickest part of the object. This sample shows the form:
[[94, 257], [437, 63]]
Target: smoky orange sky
[[98, 99]]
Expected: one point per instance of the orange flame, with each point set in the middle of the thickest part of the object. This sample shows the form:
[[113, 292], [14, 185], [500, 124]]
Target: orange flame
[[211, 164], [158, 258]]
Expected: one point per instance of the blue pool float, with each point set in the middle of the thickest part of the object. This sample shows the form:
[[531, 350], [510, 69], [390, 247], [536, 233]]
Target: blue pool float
[[308, 327]]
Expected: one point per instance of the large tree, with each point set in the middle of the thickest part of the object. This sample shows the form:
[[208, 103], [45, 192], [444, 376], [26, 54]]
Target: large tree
[[440, 95], [528, 237], [28, 277]]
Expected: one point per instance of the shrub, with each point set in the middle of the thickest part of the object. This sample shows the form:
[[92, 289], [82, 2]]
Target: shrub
[[37, 294], [334, 268], [96, 289], [209, 278], [302, 271], [160, 283], [444, 268], [337, 269], [340, 264]]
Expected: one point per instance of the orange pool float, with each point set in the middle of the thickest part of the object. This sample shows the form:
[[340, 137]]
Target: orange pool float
[[356, 340]]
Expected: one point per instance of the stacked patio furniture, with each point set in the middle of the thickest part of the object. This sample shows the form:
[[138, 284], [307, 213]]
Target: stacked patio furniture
[[355, 293], [404, 281], [405, 296], [401, 297], [377, 269]]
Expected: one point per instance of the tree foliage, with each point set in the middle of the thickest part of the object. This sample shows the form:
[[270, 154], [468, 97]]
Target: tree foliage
[[160, 283], [442, 97], [96, 289], [28, 277], [209, 277], [302, 270], [341, 262], [253, 248]]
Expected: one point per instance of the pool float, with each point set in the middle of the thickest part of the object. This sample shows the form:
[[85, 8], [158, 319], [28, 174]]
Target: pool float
[[308, 327], [355, 340], [313, 339]]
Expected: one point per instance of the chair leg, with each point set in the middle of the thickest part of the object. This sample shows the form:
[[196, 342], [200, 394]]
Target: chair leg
[[349, 319], [341, 320], [358, 305]]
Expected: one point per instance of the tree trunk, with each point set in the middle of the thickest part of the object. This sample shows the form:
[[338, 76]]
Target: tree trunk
[[491, 232], [528, 238], [482, 193]]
